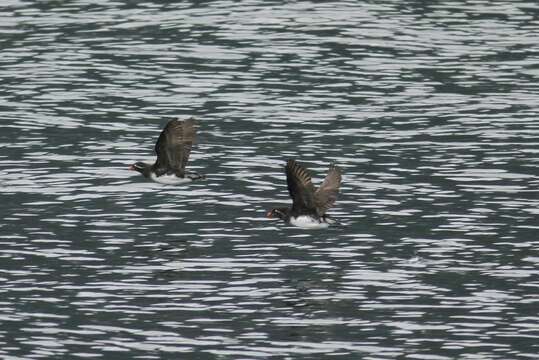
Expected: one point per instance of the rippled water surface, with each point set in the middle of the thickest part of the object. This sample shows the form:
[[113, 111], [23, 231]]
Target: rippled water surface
[[430, 110]]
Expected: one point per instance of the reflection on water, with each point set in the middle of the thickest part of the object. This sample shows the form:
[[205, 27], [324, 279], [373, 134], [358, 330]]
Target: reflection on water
[[430, 110]]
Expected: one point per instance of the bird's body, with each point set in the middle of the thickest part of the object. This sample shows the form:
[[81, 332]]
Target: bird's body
[[172, 148], [173, 179], [309, 204], [310, 222]]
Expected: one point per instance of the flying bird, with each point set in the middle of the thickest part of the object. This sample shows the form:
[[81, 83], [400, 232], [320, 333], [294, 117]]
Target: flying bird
[[172, 148], [309, 204]]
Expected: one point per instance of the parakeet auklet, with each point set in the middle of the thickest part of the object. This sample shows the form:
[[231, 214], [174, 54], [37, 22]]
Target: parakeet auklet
[[172, 148], [309, 205]]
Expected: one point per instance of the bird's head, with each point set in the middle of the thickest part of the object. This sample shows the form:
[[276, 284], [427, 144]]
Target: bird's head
[[279, 213], [140, 167]]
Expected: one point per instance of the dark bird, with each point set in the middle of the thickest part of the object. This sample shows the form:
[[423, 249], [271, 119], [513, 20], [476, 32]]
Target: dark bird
[[309, 205], [172, 148]]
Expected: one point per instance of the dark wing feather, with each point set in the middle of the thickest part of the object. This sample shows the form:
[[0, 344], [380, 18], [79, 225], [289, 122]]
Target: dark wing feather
[[326, 194], [300, 188], [174, 146], [189, 135]]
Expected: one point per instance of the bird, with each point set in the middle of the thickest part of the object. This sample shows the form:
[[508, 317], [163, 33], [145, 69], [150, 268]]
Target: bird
[[309, 204], [172, 148]]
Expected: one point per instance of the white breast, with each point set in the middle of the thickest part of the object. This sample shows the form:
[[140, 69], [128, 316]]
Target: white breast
[[169, 179], [308, 222]]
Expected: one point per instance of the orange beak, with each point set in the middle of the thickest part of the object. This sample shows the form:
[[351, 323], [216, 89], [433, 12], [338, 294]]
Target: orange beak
[[131, 168], [269, 215]]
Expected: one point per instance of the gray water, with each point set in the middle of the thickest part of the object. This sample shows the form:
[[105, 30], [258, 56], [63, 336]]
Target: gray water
[[430, 110]]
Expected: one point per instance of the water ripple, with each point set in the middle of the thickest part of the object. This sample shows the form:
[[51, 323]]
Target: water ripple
[[429, 109]]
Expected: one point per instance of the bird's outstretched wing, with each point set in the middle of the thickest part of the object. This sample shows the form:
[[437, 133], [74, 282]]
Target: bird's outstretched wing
[[174, 146], [300, 187], [326, 194]]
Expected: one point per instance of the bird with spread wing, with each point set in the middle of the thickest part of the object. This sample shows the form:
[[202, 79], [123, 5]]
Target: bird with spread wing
[[173, 148], [309, 204]]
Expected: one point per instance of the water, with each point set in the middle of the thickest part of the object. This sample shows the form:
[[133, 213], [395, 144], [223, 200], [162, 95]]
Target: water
[[430, 110]]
